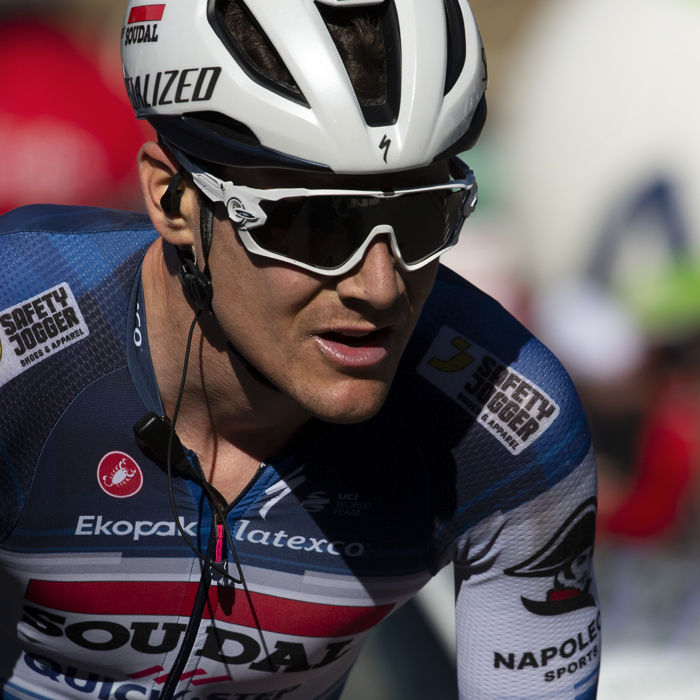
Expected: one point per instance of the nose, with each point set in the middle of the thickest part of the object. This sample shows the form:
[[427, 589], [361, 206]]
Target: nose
[[376, 279]]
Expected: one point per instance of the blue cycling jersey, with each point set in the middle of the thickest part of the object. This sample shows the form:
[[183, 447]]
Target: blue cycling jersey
[[480, 456]]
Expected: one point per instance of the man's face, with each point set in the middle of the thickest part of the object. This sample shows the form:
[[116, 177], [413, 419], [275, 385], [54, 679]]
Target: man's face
[[332, 344]]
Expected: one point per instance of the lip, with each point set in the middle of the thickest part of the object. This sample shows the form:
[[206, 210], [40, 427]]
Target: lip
[[369, 353]]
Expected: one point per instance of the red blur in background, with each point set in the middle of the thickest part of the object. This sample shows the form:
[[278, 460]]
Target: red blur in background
[[66, 136], [659, 503]]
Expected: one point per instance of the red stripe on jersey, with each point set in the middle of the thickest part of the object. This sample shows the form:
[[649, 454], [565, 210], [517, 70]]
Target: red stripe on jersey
[[564, 594], [172, 599], [209, 681], [146, 13], [147, 672]]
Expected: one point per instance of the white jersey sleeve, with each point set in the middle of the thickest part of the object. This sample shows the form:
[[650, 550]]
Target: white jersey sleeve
[[528, 621]]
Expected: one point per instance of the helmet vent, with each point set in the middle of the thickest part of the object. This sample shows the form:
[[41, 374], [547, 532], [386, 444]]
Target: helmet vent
[[456, 44], [369, 43], [224, 126], [245, 39]]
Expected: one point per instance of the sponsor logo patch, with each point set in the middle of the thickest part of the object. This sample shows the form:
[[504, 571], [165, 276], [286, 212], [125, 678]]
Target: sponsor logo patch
[[34, 330], [119, 475], [566, 561], [140, 34], [96, 525], [98, 687], [507, 404], [275, 493], [351, 504], [564, 657], [298, 542], [111, 619]]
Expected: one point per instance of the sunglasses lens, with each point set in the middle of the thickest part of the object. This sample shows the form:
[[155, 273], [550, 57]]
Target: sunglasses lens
[[426, 222], [325, 231], [319, 231]]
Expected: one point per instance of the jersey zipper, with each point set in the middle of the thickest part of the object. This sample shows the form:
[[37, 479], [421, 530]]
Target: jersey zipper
[[247, 489]]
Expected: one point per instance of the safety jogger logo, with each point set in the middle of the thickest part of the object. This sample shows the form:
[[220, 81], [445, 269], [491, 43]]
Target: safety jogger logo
[[36, 329], [507, 404]]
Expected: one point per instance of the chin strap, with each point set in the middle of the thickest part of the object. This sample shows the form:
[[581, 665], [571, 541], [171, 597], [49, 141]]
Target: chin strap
[[198, 285]]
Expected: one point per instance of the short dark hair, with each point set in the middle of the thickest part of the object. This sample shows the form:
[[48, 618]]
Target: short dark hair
[[357, 33]]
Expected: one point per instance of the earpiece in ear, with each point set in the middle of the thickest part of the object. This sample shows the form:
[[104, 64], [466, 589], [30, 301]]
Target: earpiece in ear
[[170, 201]]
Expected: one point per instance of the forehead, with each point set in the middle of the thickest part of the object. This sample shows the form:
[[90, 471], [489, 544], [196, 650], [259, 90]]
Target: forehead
[[268, 178]]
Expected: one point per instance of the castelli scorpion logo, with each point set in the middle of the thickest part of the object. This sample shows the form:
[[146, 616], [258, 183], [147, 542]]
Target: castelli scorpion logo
[[119, 476]]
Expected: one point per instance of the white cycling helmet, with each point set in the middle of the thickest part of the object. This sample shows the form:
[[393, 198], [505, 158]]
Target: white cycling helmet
[[203, 91]]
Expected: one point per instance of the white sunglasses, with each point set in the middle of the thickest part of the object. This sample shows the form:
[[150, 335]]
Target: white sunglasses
[[327, 231]]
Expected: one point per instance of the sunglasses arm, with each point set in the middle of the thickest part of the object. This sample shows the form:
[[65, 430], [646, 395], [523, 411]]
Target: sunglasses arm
[[217, 191]]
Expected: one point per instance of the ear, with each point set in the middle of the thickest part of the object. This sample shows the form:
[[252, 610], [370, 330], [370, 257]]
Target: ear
[[157, 167]]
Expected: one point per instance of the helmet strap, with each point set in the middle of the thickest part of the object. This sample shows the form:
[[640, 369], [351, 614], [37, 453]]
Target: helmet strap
[[197, 283]]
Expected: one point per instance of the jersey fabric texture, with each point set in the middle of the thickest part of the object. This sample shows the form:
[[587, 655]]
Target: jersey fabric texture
[[480, 455]]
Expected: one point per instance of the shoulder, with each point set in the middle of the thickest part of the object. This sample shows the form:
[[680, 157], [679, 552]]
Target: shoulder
[[468, 349], [68, 273], [44, 245], [53, 218], [470, 335], [493, 408]]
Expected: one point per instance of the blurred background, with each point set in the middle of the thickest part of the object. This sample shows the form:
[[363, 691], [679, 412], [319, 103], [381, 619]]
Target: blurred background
[[588, 231]]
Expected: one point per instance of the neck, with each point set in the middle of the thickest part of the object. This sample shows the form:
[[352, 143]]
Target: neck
[[226, 416]]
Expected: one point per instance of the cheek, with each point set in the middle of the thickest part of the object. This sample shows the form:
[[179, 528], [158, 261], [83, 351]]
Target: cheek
[[420, 283], [249, 288]]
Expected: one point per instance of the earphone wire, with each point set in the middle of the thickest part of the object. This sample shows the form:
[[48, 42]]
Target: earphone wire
[[213, 496], [206, 487]]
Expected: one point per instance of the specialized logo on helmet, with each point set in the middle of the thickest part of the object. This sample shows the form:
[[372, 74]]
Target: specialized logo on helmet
[[119, 476], [567, 557], [385, 144], [180, 86]]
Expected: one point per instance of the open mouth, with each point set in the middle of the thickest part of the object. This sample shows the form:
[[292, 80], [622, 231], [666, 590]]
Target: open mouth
[[358, 340], [355, 349]]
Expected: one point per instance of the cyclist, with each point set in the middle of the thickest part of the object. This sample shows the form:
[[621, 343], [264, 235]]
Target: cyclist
[[240, 432]]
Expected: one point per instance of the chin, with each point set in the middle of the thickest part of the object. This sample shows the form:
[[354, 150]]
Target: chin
[[353, 404]]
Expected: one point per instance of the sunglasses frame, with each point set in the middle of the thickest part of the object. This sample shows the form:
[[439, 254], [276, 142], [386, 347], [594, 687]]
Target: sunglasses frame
[[243, 207]]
